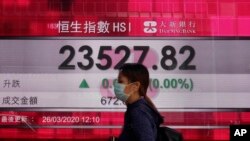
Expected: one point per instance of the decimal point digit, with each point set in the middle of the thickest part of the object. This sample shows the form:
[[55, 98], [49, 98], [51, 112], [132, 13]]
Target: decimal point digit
[[154, 67]]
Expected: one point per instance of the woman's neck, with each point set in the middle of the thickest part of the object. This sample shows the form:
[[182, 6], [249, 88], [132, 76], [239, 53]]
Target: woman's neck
[[133, 98]]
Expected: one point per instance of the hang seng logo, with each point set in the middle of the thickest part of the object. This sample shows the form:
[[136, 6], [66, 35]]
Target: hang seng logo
[[150, 27]]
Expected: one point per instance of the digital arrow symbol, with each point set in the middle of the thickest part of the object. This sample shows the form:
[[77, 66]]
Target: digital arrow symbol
[[84, 84]]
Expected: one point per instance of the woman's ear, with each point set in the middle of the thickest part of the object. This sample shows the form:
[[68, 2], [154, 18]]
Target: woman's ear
[[137, 85]]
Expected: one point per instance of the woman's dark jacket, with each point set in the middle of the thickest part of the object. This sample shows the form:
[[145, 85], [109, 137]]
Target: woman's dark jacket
[[140, 122]]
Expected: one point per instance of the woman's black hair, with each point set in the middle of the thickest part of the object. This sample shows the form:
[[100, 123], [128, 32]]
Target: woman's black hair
[[138, 72]]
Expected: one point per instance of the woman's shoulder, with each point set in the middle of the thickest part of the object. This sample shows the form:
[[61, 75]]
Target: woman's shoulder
[[141, 108]]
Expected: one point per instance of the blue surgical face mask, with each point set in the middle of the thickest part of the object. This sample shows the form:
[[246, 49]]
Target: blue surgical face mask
[[119, 91]]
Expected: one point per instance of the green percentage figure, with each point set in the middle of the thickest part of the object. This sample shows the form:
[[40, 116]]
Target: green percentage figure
[[174, 83]]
